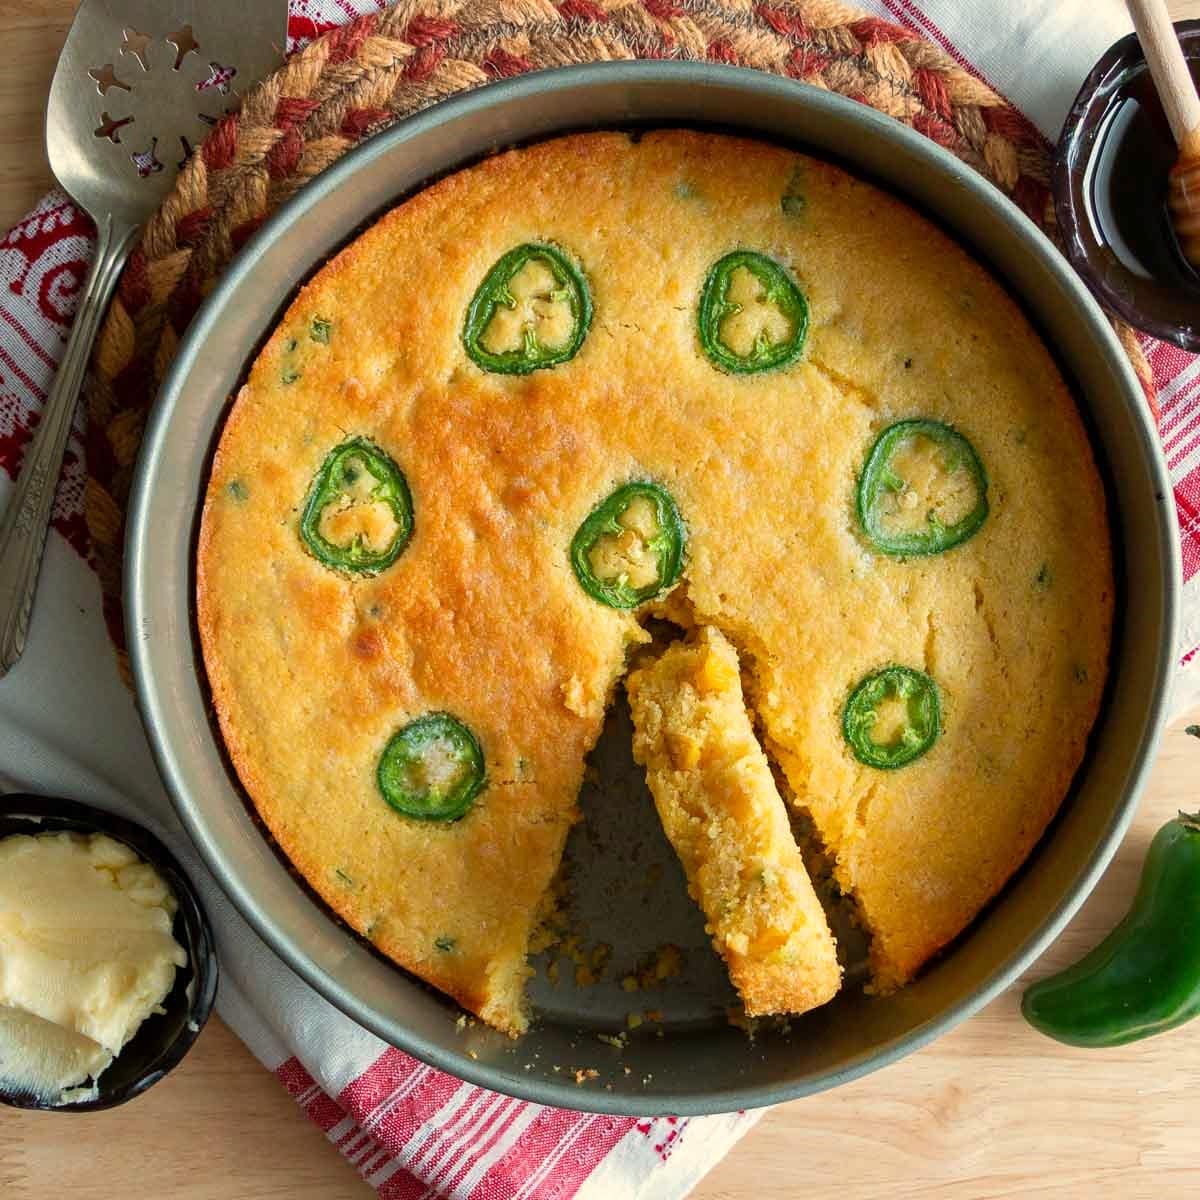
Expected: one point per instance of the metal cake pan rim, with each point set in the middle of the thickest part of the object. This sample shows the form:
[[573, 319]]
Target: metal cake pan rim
[[139, 584]]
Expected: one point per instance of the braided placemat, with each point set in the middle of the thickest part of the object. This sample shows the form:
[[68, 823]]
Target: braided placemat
[[362, 77]]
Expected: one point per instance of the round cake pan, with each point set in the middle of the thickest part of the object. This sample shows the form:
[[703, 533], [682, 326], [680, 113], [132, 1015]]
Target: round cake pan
[[699, 1066]]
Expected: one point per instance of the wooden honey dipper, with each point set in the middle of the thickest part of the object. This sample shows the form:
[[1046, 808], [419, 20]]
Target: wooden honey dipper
[[1177, 91]]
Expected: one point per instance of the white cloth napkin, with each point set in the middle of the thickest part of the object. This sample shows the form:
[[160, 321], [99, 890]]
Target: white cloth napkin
[[69, 727]]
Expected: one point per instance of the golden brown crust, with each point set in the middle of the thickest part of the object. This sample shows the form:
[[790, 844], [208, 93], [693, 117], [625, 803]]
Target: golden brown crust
[[481, 615]]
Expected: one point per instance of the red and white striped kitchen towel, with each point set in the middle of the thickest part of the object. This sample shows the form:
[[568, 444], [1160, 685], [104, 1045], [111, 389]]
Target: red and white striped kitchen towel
[[68, 726]]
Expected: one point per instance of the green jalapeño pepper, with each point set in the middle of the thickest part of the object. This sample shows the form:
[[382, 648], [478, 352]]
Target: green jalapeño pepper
[[432, 769], [630, 547], [892, 717], [532, 310], [1144, 977], [922, 490], [358, 515], [753, 315]]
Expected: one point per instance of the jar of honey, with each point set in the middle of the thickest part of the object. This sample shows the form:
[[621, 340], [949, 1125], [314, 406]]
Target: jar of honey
[[1110, 192]]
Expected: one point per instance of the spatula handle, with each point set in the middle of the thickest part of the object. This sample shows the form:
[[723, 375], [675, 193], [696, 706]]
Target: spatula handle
[[1169, 69], [26, 519]]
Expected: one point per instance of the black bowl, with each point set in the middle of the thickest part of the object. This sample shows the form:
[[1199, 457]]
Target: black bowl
[[1110, 187], [165, 1038]]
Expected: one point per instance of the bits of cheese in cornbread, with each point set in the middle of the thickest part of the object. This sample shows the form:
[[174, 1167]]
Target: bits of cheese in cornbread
[[720, 808]]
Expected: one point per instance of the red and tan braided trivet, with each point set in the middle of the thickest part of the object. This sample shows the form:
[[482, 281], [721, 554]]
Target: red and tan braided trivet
[[360, 78]]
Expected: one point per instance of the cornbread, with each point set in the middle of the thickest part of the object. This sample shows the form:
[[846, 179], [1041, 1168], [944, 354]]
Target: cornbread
[[86, 955], [507, 445], [718, 803]]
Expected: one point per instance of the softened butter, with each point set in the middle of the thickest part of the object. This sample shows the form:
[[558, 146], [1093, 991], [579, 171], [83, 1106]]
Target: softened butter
[[86, 955]]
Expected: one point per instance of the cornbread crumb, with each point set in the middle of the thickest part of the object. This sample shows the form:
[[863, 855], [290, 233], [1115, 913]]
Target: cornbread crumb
[[591, 969], [666, 962], [737, 1017], [584, 1074], [589, 962]]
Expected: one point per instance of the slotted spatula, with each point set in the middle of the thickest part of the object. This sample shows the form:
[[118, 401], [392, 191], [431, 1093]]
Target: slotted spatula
[[137, 85]]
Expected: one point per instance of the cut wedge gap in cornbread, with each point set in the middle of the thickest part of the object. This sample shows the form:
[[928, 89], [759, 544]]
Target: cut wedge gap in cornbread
[[719, 806], [629, 942]]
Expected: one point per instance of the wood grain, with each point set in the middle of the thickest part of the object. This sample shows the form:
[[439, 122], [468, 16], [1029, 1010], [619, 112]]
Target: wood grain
[[219, 1127], [32, 33], [990, 1110]]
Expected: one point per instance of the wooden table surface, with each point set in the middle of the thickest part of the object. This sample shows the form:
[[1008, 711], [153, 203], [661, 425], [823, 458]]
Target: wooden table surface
[[991, 1109]]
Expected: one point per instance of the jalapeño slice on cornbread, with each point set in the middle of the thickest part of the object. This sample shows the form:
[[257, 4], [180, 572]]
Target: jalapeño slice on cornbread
[[753, 316], [922, 490], [532, 310], [718, 803], [892, 717], [630, 547], [608, 376], [358, 516], [432, 769]]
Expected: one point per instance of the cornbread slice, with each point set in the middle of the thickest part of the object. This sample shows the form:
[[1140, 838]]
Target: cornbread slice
[[718, 803]]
